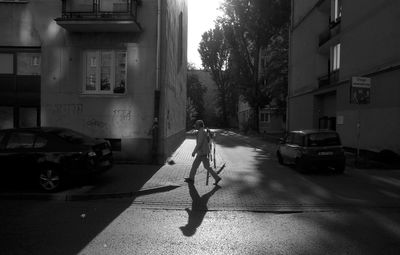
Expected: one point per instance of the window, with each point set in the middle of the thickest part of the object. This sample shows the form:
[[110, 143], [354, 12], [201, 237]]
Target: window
[[6, 63], [323, 139], [20, 141], [114, 5], [28, 117], [335, 57], [265, 117], [73, 137], [105, 72], [28, 63], [2, 135], [6, 117], [289, 138]]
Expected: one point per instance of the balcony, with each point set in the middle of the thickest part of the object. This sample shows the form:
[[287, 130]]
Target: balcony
[[328, 79], [99, 16]]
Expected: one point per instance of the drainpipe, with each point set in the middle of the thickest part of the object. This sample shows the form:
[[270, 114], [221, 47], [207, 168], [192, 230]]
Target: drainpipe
[[290, 67], [156, 117], [158, 45]]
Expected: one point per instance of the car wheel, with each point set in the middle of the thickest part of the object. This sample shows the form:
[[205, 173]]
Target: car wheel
[[280, 159], [50, 179]]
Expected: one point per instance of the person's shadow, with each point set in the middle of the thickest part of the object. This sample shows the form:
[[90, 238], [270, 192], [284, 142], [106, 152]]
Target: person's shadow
[[198, 211]]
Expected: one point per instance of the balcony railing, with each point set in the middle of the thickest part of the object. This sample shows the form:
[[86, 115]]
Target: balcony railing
[[72, 9], [108, 15], [328, 79]]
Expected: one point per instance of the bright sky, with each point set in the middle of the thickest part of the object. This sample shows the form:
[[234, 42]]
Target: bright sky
[[202, 14]]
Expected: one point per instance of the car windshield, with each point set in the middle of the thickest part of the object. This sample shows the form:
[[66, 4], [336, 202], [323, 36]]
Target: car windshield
[[73, 136], [323, 139]]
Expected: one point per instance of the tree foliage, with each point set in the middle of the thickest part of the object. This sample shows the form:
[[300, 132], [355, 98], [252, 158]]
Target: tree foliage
[[191, 113], [195, 95], [216, 55], [251, 26]]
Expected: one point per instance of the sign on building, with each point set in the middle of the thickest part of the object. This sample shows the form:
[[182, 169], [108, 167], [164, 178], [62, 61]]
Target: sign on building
[[360, 92]]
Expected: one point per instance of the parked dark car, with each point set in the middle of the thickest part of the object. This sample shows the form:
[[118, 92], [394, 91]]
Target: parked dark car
[[312, 148], [50, 155]]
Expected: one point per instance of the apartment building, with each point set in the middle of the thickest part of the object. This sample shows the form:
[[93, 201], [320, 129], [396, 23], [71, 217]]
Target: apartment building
[[334, 44], [113, 69]]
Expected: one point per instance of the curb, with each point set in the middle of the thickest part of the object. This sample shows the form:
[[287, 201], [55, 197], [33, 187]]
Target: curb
[[85, 197]]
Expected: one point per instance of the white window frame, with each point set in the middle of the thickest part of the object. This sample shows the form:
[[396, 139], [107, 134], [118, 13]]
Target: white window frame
[[335, 57], [336, 10], [265, 117], [98, 53]]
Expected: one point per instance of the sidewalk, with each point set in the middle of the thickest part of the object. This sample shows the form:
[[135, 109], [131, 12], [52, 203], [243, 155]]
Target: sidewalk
[[125, 180], [147, 184]]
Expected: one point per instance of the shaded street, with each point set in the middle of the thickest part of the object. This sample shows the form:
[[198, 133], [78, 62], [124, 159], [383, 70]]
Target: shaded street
[[260, 207]]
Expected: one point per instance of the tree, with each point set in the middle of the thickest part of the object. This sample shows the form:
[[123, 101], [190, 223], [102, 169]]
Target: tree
[[215, 54], [191, 114], [251, 26], [275, 70], [195, 102]]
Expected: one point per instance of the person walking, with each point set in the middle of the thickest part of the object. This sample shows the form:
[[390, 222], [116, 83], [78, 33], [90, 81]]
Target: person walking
[[202, 150]]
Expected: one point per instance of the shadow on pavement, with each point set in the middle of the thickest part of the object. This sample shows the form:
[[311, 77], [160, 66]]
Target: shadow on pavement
[[371, 197], [120, 179], [198, 211], [28, 226]]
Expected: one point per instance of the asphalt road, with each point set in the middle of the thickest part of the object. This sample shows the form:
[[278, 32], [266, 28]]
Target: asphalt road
[[261, 208], [117, 227]]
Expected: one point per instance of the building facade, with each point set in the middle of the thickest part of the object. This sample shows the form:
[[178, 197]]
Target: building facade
[[332, 44], [113, 69]]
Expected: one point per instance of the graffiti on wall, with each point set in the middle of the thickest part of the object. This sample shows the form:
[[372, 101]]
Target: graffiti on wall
[[93, 123], [122, 115], [70, 109]]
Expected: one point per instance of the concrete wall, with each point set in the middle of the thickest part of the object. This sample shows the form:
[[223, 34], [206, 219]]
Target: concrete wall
[[300, 115], [369, 38], [174, 74], [19, 24], [127, 116], [301, 9], [304, 39], [380, 120]]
